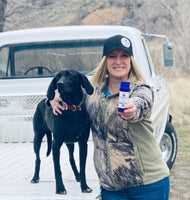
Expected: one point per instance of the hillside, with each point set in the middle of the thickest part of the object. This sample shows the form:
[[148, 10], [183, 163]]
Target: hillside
[[40, 13], [155, 16]]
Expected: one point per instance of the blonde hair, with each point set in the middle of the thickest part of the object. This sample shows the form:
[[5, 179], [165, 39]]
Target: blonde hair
[[100, 73]]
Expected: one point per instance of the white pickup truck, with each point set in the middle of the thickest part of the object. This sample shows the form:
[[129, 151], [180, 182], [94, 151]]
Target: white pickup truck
[[30, 58]]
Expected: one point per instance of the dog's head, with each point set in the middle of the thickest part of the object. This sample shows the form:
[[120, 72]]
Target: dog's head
[[69, 82]]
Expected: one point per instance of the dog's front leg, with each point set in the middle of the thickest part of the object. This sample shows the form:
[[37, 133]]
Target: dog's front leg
[[60, 189], [83, 156]]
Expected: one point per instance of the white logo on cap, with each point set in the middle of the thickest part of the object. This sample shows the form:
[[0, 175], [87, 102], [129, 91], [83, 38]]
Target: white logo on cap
[[125, 42]]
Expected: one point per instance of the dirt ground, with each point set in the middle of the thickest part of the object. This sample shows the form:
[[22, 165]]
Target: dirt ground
[[180, 173]]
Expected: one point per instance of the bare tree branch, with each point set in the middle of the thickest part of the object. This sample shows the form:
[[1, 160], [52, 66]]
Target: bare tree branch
[[3, 4]]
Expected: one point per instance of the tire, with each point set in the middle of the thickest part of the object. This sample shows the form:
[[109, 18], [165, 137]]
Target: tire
[[169, 145]]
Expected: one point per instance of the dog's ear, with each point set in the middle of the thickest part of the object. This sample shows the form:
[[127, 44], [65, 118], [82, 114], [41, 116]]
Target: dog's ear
[[86, 84], [52, 87]]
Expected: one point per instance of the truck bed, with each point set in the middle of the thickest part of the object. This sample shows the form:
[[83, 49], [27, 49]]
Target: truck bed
[[17, 168]]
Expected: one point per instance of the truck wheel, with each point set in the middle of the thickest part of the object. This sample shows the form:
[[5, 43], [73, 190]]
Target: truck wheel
[[168, 145]]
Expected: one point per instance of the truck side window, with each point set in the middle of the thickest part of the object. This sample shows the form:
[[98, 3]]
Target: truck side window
[[148, 57], [4, 54]]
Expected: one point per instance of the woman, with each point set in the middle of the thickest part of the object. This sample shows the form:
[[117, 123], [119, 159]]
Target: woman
[[127, 158]]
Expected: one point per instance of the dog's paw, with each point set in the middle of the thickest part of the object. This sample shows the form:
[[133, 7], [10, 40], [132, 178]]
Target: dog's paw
[[87, 190], [34, 181], [61, 192]]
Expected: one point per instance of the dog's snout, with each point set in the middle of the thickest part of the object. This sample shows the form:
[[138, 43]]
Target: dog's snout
[[62, 87]]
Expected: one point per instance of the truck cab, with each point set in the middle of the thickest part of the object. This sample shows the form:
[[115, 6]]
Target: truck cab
[[30, 58]]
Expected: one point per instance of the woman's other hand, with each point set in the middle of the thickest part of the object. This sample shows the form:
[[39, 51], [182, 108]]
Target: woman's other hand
[[57, 107]]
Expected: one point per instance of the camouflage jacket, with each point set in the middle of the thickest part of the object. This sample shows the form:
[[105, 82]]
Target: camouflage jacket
[[126, 153]]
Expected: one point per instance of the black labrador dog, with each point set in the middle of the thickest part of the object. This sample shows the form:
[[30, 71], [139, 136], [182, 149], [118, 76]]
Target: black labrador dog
[[70, 127]]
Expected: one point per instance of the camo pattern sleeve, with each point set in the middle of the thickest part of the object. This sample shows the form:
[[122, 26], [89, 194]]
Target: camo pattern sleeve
[[143, 97]]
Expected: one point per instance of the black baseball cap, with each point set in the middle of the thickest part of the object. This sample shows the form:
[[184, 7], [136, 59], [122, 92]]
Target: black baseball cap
[[117, 42]]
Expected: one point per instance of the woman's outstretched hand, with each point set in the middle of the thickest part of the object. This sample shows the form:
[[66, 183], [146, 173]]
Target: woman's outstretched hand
[[129, 112]]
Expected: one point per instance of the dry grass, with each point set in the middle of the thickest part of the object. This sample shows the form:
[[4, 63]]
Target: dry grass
[[179, 89], [105, 16], [179, 174]]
